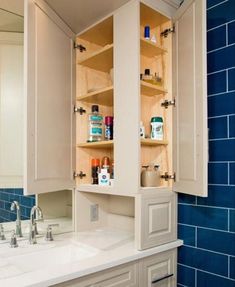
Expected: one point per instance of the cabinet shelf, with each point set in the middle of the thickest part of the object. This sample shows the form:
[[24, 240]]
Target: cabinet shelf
[[150, 142], [100, 144], [101, 60], [151, 90], [102, 96], [109, 144], [94, 188], [150, 49]]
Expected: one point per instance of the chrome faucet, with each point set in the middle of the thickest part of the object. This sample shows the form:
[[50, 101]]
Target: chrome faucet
[[36, 212], [15, 206]]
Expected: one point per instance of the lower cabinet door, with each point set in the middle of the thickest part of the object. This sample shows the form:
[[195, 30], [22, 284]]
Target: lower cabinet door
[[159, 270], [121, 276], [155, 219]]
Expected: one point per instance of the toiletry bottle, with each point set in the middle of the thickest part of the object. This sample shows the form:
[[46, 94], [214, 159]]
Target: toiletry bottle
[[106, 163], [157, 128], [95, 125], [147, 76], [104, 177], [108, 130], [142, 130], [147, 32], [95, 167]]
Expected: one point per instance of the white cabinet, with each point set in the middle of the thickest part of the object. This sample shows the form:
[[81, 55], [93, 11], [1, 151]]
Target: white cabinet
[[56, 148], [121, 276]]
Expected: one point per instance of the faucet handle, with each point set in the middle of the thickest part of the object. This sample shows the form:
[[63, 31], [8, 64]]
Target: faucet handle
[[2, 235], [13, 241], [49, 236]]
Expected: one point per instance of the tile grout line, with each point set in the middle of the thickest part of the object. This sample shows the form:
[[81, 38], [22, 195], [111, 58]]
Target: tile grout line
[[221, 48], [222, 70], [216, 5], [218, 94], [221, 25], [202, 227]]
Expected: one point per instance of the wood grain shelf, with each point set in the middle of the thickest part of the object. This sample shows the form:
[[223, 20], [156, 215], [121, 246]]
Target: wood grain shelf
[[101, 60], [150, 142], [109, 144], [151, 90], [102, 96], [100, 144], [150, 49]]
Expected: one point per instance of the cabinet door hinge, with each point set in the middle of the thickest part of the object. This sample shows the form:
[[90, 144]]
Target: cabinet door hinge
[[80, 47], [81, 174], [167, 31], [168, 103], [167, 176], [79, 110]]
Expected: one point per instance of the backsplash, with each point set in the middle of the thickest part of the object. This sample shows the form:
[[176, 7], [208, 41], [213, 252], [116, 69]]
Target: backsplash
[[7, 196], [207, 225]]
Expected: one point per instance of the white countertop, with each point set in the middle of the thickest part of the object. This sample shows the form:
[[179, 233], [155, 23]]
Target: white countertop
[[97, 250]]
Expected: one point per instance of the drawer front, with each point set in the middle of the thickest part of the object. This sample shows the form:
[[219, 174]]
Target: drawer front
[[159, 270], [121, 276], [155, 219]]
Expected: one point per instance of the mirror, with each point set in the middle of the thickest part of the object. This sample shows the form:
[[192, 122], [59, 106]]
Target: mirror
[[57, 207]]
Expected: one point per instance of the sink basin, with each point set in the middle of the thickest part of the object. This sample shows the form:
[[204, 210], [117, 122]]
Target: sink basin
[[40, 257]]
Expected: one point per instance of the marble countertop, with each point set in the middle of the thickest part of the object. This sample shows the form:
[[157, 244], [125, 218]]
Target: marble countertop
[[45, 263]]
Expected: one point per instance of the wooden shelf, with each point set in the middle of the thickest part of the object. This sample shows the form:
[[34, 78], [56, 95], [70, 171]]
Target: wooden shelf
[[150, 49], [100, 144], [150, 142], [102, 96], [95, 188], [151, 90], [101, 60]]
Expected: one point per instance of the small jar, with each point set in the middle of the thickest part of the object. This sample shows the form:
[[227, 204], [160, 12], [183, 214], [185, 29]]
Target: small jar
[[108, 133], [157, 128]]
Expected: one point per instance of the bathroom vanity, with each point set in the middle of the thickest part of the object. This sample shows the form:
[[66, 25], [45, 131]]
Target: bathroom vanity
[[68, 70]]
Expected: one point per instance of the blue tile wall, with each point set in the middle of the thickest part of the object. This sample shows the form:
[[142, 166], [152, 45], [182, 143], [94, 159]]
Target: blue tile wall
[[6, 198], [207, 225]]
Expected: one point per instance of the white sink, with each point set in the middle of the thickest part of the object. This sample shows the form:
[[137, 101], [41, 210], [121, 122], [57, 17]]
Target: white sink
[[36, 257]]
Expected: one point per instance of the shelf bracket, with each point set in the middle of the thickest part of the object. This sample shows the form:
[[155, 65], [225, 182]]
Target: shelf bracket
[[81, 174], [166, 32], [167, 176], [168, 103], [79, 110], [80, 47]]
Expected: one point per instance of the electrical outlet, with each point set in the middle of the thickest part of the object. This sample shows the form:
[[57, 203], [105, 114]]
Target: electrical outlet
[[94, 212]]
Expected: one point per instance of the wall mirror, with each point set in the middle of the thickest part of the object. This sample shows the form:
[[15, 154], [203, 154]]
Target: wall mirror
[[57, 207]]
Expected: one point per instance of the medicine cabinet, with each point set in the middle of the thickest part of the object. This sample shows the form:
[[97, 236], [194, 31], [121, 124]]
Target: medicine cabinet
[[57, 108]]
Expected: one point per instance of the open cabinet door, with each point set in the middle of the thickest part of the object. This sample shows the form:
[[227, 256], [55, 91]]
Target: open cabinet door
[[190, 143], [49, 100]]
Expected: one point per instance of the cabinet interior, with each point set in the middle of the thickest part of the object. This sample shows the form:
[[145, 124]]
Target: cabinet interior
[[95, 86]]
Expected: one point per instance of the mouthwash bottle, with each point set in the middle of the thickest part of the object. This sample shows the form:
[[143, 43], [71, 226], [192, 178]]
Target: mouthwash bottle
[[95, 125]]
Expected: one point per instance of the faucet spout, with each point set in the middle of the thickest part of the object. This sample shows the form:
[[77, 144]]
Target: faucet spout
[[35, 215], [15, 206]]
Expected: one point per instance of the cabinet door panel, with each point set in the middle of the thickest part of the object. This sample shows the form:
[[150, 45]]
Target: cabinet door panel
[[155, 219], [49, 99], [190, 144], [159, 270]]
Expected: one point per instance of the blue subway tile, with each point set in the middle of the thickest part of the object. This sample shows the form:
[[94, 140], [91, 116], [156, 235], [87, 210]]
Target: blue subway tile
[[231, 33], [221, 59], [203, 216], [186, 276], [220, 196], [18, 191], [211, 3], [232, 173], [187, 233], [217, 241], [216, 83], [209, 280], [218, 127], [232, 220], [204, 260], [231, 79], [220, 105], [222, 150], [218, 173], [185, 198], [216, 38], [220, 14], [232, 267], [232, 126], [26, 201]]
